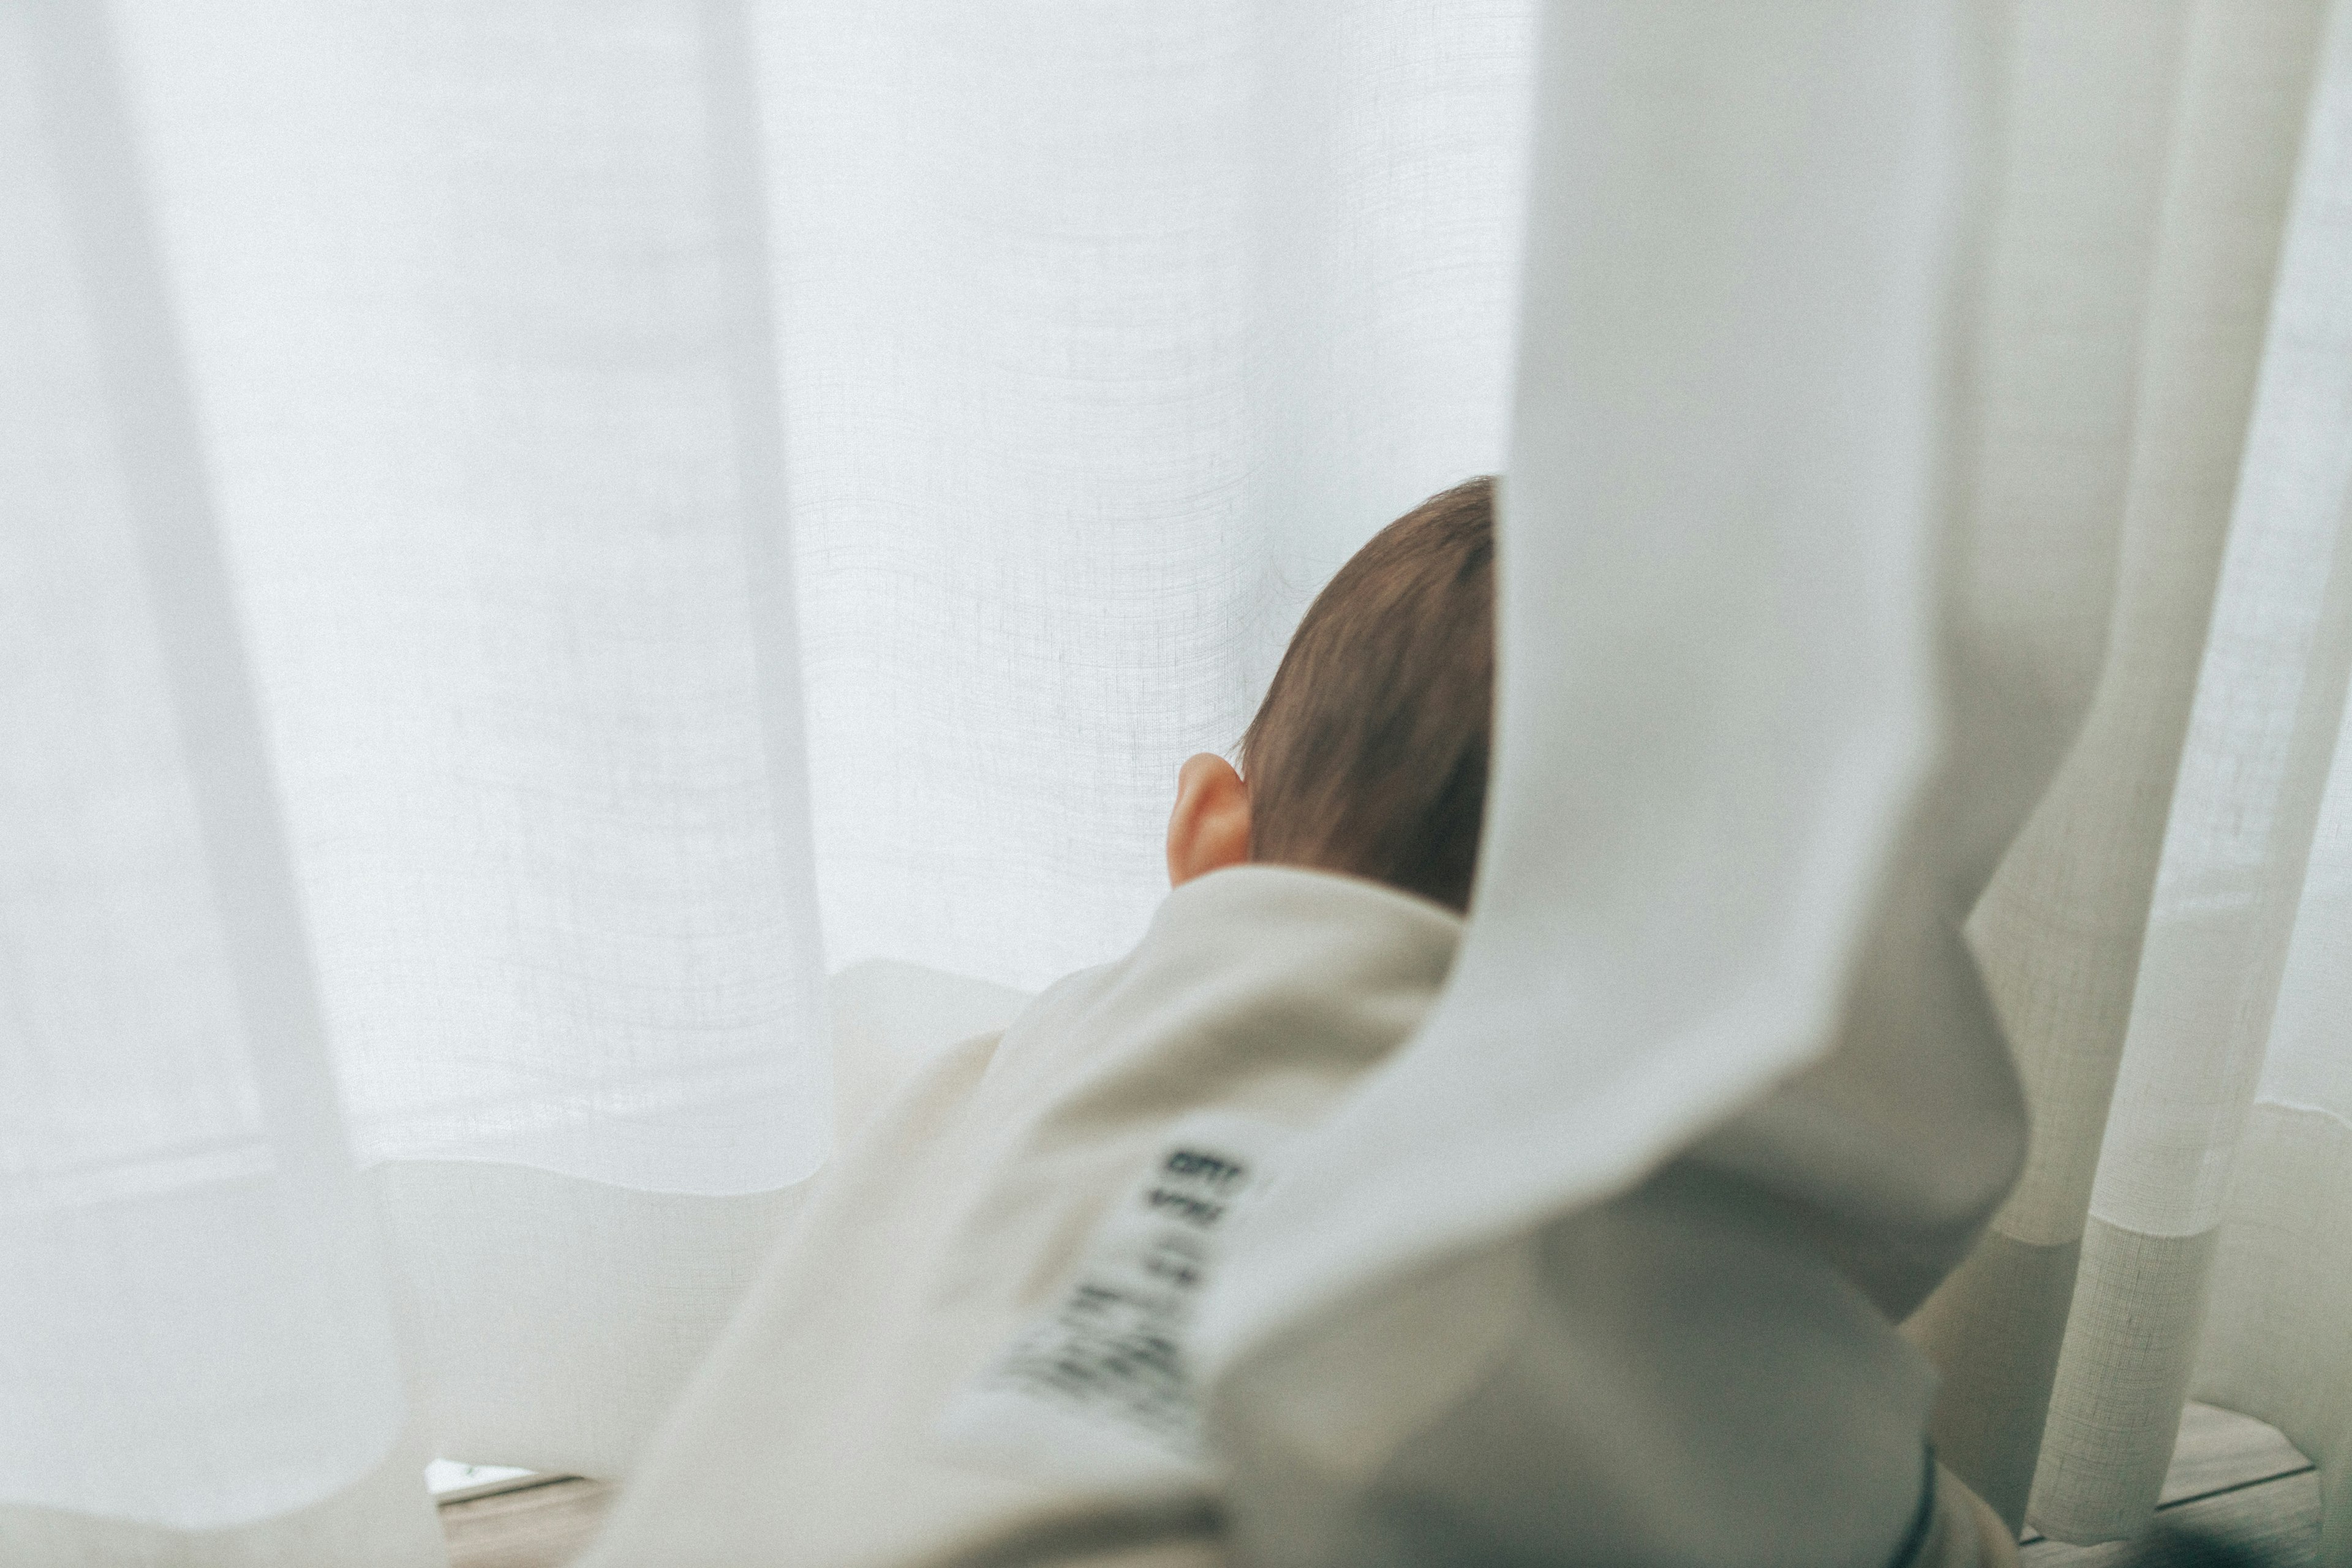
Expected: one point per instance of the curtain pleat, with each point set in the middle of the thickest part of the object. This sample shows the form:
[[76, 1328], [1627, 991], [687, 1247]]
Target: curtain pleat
[[477, 331], [2268, 709], [2273, 1340], [2068, 202], [2059, 931], [197, 1331]]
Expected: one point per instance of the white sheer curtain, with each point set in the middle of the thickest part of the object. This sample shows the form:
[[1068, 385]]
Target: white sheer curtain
[[2223, 1187], [2170, 286], [532, 533], [406, 674]]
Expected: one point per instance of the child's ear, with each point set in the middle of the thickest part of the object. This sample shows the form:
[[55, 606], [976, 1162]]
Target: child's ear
[[1210, 827]]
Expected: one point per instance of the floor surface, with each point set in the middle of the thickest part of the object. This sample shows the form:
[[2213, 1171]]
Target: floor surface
[[2232, 1478]]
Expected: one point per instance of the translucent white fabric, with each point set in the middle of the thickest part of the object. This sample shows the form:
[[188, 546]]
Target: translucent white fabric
[[2135, 938], [1110, 330], [487, 389], [531, 532], [2151, 437], [1106, 333], [2227, 1078], [184, 1255], [2273, 1337]]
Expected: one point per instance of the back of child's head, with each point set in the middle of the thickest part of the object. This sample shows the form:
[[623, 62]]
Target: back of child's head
[[1368, 756]]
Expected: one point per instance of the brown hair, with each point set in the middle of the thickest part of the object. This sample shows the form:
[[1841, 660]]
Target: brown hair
[[1368, 756]]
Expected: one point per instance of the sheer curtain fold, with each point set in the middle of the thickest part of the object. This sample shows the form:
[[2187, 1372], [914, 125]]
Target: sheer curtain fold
[[1078, 344], [2141, 714], [2255, 763], [2058, 934], [2281, 1155], [478, 340], [2273, 1340], [186, 1252]]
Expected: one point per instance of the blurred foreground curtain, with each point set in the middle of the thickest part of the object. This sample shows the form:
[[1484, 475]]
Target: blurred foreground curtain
[[530, 534]]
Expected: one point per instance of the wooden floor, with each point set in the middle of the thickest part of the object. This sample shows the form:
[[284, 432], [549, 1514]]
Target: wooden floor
[[2233, 1480], [540, 1521]]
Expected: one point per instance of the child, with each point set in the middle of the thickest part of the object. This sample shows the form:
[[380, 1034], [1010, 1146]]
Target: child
[[1317, 903], [964, 1349]]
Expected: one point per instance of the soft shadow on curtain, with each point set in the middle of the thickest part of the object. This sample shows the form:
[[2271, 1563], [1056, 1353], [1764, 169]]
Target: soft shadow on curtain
[[530, 533]]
